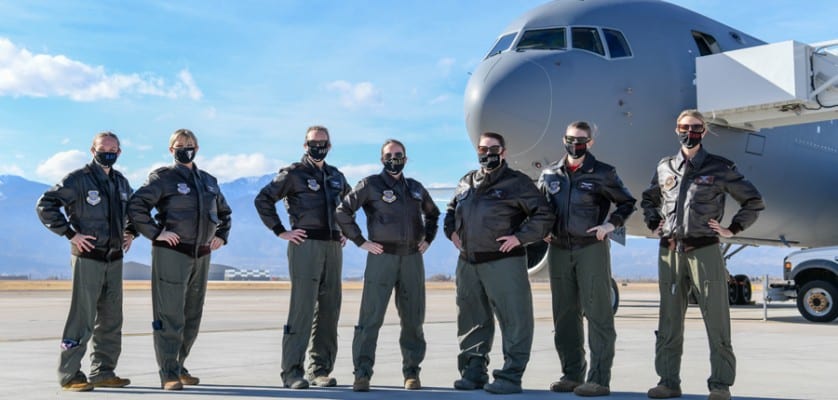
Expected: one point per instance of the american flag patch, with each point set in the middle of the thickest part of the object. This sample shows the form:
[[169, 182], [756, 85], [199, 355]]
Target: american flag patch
[[705, 180]]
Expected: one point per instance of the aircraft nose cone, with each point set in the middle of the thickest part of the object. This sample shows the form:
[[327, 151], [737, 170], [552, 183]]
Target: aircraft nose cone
[[509, 96]]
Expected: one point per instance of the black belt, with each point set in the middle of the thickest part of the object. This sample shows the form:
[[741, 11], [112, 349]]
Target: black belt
[[479, 257], [686, 245], [399, 249], [321, 234], [184, 248], [99, 254]]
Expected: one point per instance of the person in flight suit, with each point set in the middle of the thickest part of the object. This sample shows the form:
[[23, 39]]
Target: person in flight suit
[[684, 206], [312, 191], [580, 189], [94, 199], [192, 221], [495, 211], [394, 206]]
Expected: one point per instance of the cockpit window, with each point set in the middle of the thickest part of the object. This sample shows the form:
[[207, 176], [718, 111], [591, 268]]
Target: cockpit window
[[706, 43], [543, 39], [617, 45], [502, 44], [587, 39]]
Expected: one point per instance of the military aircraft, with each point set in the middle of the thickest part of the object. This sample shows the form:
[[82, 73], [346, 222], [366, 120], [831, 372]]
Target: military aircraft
[[629, 67]]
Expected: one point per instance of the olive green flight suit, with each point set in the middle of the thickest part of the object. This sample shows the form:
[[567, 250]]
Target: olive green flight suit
[[580, 283], [503, 286], [704, 271], [97, 303], [178, 290], [383, 273], [315, 268]]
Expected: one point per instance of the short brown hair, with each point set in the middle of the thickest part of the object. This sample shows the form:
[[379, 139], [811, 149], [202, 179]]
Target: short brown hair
[[103, 135], [496, 136], [582, 126], [182, 133], [320, 128], [691, 113], [393, 141]]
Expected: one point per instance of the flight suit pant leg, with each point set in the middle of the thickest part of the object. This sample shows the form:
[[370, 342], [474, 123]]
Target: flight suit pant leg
[[170, 272], [88, 278], [673, 285], [475, 323], [593, 272], [307, 265], [710, 277], [568, 333], [196, 292], [379, 279], [107, 333], [508, 289], [324, 330], [410, 304]]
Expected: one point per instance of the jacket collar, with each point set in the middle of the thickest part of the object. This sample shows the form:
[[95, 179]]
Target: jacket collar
[[587, 164], [696, 162], [486, 179], [308, 163], [389, 180]]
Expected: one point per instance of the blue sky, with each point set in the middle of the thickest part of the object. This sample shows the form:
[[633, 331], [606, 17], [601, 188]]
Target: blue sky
[[248, 77]]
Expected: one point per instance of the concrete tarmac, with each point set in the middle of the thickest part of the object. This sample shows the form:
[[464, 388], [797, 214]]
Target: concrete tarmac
[[237, 354]]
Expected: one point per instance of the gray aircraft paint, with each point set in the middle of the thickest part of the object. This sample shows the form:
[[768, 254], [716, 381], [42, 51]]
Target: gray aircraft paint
[[530, 96]]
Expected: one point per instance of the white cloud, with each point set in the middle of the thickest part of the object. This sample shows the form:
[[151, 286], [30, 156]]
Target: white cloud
[[446, 64], [11, 170], [66, 140], [62, 163], [211, 113], [43, 75], [228, 167], [439, 99], [358, 95], [355, 173]]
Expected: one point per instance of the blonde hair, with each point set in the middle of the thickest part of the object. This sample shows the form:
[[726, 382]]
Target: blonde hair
[[104, 134], [691, 113], [182, 133]]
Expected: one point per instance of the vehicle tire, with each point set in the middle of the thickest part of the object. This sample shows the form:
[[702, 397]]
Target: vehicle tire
[[615, 296], [733, 293], [816, 301], [743, 284]]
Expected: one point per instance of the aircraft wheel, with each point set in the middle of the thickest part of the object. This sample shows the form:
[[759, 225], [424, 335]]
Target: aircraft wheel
[[744, 287], [733, 293], [615, 296], [816, 301]]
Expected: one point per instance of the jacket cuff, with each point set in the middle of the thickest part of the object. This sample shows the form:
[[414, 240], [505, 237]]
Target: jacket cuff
[[615, 220], [279, 229], [69, 233], [652, 224], [359, 240], [735, 228]]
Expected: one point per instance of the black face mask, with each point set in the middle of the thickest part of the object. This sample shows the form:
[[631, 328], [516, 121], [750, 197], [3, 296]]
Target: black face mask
[[489, 161], [318, 153], [689, 139], [576, 150], [185, 155], [105, 159], [394, 166]]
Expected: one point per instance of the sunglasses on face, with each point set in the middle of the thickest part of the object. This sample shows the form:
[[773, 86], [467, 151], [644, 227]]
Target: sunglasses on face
[[697, 128], [317, 143], [393, 156], [496, 149], [576, 139]]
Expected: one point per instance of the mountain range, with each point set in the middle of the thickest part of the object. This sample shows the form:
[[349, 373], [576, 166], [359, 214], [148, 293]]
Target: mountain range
[[28, 248]]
